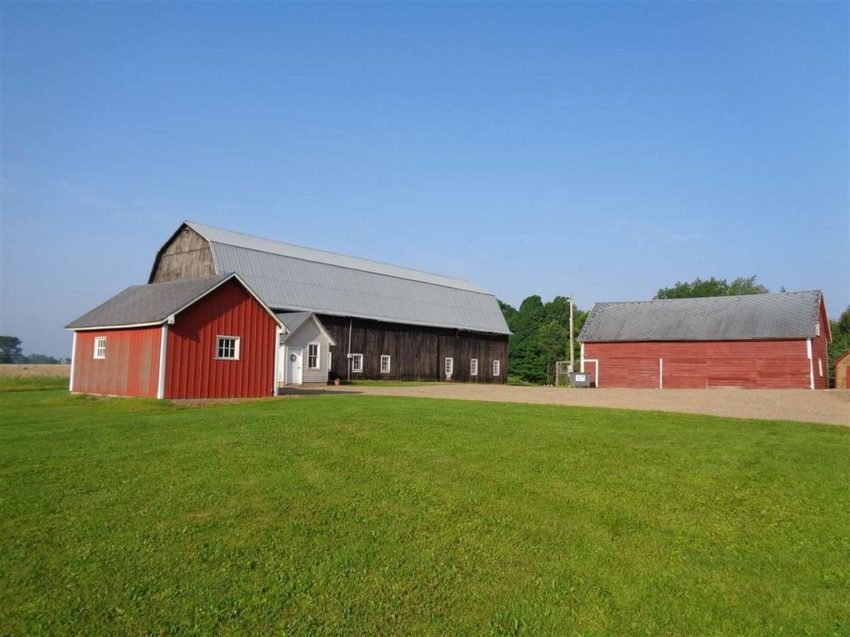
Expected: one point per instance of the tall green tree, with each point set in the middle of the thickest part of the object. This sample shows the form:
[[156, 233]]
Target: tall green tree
[[840, 330], [712, 287], [540, 336], [10, 349]]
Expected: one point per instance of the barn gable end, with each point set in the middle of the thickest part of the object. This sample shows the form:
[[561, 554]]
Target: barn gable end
[[186, 255]]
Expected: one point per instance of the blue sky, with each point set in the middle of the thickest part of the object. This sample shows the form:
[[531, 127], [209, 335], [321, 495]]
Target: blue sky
[[605, 149]]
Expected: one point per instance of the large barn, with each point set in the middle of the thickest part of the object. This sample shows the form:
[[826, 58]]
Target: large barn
[[753, 341], [338, 316], [389, 322]]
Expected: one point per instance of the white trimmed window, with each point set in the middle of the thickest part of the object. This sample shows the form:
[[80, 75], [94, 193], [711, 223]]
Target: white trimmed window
[[227, 348], [313, 356], [817, 328], [820, 366], [473, 367], [497, 367], [100, 347], [357, 363], [385, 364], [449, 367]]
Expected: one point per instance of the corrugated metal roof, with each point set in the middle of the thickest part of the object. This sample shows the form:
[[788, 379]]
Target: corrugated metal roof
[[295, 278], [147, 304], [237, 239], [720, 318]]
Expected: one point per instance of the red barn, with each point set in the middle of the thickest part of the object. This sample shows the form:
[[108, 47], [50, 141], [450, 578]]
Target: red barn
[[208, 337], [753, 341]]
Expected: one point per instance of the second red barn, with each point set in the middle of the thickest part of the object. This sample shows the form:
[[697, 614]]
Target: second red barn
[[753, 341]]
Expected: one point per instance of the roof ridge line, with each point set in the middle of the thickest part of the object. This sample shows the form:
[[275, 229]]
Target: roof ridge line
[[331, 252], [392, 276], [721, 296]]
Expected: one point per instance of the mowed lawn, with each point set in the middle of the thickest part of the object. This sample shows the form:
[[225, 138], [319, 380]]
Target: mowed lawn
[[375, 515]]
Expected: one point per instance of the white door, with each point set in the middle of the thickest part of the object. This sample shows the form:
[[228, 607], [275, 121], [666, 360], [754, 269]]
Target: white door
[[293, 365]]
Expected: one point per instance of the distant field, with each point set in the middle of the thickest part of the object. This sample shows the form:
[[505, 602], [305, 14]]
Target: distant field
[[370, 515], [29, 377], [55, 371]]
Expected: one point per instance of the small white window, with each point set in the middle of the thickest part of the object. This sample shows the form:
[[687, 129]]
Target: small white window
[[473, 367], [385, 364], [100, 347], [313, 356], [817, 328], [820, 366], [497, 367], [357, 363], [450, 366], [227, 348]]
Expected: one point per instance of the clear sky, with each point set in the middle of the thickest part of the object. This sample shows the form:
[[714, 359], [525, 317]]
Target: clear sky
[[605, 149]]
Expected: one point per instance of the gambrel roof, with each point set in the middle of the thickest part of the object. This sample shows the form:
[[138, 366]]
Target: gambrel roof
[[786, 315], [290, 277]]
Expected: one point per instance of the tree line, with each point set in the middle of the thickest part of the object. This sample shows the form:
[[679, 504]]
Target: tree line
[[541, 330], [12, 354]]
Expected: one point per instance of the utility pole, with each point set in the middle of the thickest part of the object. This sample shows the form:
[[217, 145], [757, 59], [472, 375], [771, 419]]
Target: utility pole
[[572, 349]]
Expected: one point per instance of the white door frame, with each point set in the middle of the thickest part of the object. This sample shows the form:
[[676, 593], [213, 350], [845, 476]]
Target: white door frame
[[294, 374]]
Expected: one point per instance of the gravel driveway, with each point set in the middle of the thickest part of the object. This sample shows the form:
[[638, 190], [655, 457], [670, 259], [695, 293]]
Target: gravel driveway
[[806, 405]]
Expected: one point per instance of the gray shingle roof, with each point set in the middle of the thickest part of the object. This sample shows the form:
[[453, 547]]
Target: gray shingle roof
[[293, 320], [147, 304], [296, 278], [735, 318]]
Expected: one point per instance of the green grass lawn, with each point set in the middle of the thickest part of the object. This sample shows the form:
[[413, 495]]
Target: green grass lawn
[[376, 515]]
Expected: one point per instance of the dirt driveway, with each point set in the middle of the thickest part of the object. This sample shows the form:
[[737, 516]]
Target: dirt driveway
[[831, 406]]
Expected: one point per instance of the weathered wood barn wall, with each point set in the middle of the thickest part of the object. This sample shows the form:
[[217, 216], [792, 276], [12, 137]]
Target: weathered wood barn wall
[[187, 255], [448, 317], [415, 352]]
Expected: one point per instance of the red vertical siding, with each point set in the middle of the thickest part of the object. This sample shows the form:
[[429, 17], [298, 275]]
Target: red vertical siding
[[131, 366], [819, 353], [702, 364], [192, 370]]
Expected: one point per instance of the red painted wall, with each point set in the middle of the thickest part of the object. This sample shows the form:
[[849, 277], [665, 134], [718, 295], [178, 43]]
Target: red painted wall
[[702, 364], [192, 370], [819, 345], [131, 366]]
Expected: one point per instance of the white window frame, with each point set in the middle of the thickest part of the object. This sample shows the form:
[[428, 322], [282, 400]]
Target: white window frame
[[357, 363], [385, 358], [817, 329], [473, 367], [449, 366], [497, 367], [100, 347], [330, 359], [236, 347], [820, 367], [318, 356]]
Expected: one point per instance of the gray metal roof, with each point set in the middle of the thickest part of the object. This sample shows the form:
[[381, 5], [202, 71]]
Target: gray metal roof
[[721, 318], [293, 320], [296, 278], [147, 304]]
